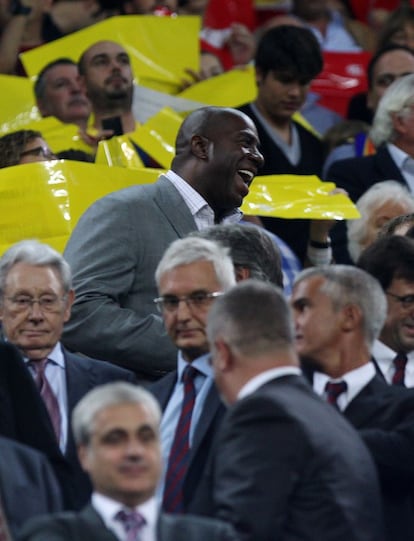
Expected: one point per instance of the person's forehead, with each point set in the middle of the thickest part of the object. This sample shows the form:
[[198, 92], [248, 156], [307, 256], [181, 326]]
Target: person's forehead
[[393, 62], [105, 48], [126, 415], [62, 70]]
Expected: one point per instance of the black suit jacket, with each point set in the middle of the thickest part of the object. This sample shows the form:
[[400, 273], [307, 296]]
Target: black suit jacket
[[384, 417], [88, 525], [204, 437], [356, 176], [28, 486], [24, 416], [294, 232], [289, 467]]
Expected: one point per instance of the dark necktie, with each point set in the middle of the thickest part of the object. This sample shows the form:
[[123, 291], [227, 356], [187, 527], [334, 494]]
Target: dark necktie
[[4, 530], [333, 390], [46, 392], [133, 522], [400, 363], [180, 449]]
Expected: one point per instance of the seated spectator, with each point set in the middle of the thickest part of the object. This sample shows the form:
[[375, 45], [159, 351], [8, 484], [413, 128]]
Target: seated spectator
[[334, 30], [377, 206], [24, 146], [58, 93], [398, 29]]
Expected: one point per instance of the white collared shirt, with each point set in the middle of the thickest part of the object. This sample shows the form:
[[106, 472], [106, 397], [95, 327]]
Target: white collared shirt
[[200, 210], [385, 357], [108, 508], [405, 164], [356, 380], [258, 381], [56, 376]]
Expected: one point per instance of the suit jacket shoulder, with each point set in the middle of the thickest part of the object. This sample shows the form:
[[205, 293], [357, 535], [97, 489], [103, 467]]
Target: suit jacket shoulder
[[188, 527]]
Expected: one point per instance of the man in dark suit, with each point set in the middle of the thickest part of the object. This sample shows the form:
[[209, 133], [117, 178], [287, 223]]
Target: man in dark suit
[[28, 486], [287, 465], [36, 296], [116, 429], [339, 311], [191, 268], [391, 261], [113, 317], [393, 134]]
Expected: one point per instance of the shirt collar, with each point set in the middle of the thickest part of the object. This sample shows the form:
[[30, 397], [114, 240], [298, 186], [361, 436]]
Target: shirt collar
[[202, 364], [56, 355], [108, 508], [257, 381]]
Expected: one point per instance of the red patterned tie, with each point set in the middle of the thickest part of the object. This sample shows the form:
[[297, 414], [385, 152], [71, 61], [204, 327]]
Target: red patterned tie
[[4, 530], [133, 522], [334, 390], [180, 449], [400, 363], [46, 392]]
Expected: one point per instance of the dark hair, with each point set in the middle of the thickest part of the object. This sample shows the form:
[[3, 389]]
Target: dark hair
[[13, 144], [388, 258], [378, 55], [289, 49], [394, 23], [40, 84]]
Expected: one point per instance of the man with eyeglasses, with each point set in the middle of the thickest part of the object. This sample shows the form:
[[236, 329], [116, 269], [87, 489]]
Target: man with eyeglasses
[[391, 261], [24, 146], [191, 274], [36, 296]]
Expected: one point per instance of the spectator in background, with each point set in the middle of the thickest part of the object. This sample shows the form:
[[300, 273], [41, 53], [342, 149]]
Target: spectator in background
[[334, 30], [286, 61], [24, 146], [398, 28], [377, 206], [58, 93]]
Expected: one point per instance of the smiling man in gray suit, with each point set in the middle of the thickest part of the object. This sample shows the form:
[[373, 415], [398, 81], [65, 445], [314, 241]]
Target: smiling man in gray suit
[[116, 428], [118, 242]]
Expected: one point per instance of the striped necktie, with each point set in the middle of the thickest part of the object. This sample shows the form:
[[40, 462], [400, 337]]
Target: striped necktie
[[46, 392], [180, 449], [132, 522], [400, 362], [333, 390]]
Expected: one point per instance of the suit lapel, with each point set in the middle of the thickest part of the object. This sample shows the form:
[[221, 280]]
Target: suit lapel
[[211, 407], [163, 388], [172, 205], [387, 167], [94, 526], [365, 405]]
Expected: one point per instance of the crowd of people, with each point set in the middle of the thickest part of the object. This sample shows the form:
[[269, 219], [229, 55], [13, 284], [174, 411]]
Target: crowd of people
[[182, 371]]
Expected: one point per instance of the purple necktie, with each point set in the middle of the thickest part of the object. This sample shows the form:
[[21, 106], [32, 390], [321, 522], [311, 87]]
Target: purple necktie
[[333, 390], [180, 449], [46, 392], [400, 363], [133, 522]]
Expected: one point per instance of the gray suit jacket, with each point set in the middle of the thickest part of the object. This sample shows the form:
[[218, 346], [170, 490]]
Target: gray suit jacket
[[113, 252], [88, 525]]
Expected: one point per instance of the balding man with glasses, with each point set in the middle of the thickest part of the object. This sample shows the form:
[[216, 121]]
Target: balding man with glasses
[[36, 296], [191, 275]]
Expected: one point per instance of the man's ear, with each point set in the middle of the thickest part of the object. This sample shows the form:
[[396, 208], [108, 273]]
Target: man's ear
[[200, 146], [398, 123], [83, 457], [352, 316], [242, 273], [223, 359]]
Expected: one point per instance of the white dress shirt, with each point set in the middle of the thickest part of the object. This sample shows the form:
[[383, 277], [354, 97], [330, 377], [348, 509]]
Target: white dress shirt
[[385, 356], [405, 164], [356, 380], [108, 508]]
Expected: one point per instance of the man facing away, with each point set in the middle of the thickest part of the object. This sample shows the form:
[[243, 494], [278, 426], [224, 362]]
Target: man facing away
[[287, 465], [116, 428], [339, 311], [118, 242]]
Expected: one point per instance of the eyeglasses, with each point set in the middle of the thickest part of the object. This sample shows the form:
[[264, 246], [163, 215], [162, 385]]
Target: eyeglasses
[[407, 301], [386, 79], [46, 303], [198, 300], [39, 151]]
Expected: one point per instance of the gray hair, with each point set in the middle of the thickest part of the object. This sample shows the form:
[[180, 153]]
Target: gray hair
[[398, 99], [192, 249], [38, 254], [105, 396], [376, 196], [346, 285], [254, 318], [250, 247]]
